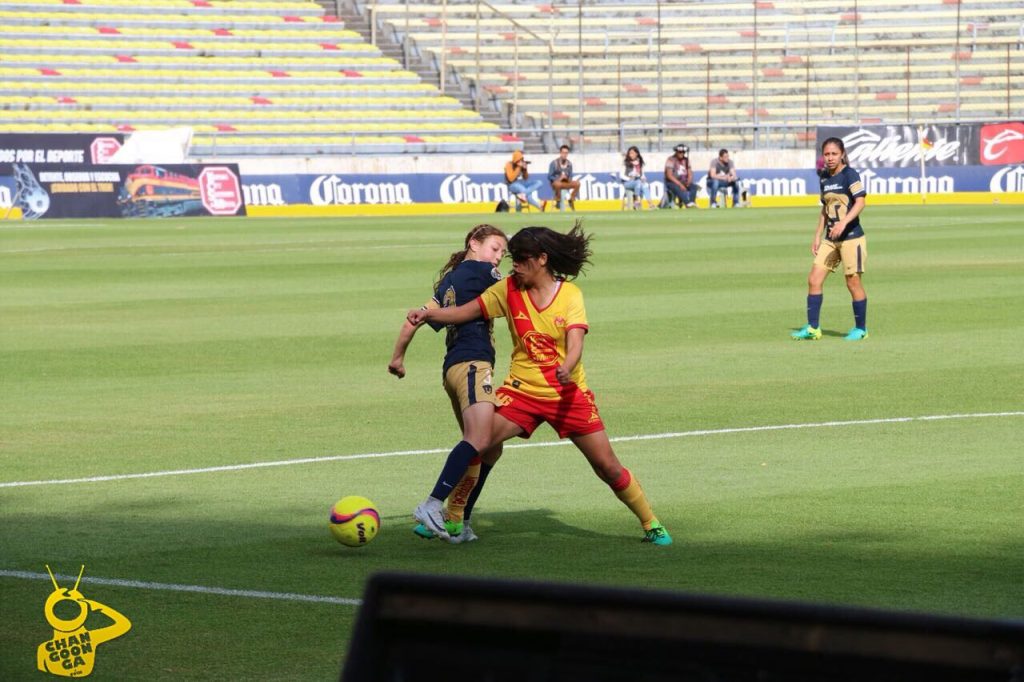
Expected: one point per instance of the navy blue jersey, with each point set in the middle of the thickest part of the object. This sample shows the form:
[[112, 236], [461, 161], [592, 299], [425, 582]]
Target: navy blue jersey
[[472, 340], [837, 194]]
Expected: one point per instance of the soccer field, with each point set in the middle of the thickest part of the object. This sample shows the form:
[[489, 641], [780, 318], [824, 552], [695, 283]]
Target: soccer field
[[149, 368]]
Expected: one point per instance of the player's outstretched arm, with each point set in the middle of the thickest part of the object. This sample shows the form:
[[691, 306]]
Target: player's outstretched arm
[[458, 315], [405, 334]]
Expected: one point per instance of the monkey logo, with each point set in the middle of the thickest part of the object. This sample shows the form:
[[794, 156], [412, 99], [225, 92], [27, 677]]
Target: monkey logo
[[72, 650]]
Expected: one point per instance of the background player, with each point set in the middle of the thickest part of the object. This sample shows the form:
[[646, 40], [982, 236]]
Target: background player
[[838, 238]]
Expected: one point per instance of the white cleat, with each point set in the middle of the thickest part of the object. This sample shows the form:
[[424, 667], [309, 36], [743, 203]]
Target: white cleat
[[431, 514]]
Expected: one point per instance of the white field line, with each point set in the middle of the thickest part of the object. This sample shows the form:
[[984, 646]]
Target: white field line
[[173, 587], [270, 247], [434, 451]]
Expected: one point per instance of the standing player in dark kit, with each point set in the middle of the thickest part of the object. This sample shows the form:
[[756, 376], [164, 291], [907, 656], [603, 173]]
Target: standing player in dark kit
[[468, 372], [839, 238]]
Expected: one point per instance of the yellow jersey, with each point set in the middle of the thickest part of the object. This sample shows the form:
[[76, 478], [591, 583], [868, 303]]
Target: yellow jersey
[[539, 336]]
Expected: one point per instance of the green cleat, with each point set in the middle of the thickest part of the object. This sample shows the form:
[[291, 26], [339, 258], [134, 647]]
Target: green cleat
[[454, 530], [423, 532], [856, 334], [463, 534], [807, 333], [657, 535]]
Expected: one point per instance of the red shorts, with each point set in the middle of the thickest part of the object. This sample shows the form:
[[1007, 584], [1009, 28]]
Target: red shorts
[[574, 414]]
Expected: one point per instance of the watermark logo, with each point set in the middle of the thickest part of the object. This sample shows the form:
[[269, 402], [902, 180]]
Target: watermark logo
[[71, 652]]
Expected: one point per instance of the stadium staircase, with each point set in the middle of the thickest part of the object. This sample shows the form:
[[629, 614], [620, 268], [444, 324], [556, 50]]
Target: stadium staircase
[[356, 18], [247, 76], [727, 73]]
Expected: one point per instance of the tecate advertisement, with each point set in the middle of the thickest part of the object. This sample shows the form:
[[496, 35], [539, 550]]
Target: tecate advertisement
[[903, 146]]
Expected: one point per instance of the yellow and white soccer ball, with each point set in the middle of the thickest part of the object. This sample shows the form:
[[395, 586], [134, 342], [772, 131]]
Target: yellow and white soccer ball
[[354, 521]]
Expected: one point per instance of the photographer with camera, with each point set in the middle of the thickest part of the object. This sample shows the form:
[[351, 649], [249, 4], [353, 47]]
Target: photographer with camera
[[517, 176], [560, 178]]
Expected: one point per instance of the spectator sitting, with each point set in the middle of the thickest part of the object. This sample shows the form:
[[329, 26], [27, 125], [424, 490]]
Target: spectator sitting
[[679, 178], [560, 177], [517, 176], [633, 178], [723, 174]]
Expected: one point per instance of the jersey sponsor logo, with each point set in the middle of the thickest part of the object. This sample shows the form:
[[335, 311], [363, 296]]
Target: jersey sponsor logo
[[1002, 144], [1009, 179]]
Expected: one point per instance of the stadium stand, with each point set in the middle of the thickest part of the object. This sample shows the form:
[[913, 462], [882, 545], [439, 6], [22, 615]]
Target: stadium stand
[[249, 77], [743, 70]]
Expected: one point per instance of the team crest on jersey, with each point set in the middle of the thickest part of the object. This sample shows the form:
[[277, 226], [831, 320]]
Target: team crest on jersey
[[541, 348], [449, 298], [495, 273], [559, 321]]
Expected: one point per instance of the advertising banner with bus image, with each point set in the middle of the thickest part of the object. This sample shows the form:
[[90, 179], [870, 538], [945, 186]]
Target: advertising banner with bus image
[[123, 191]]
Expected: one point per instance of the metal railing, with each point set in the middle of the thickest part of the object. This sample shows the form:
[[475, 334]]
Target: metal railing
[[760, 39]]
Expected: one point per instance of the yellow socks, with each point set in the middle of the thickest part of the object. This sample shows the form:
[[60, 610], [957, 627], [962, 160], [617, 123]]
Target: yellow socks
[[628, 489]]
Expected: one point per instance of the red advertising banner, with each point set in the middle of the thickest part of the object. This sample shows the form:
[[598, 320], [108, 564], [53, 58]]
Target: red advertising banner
[[1002, 143]]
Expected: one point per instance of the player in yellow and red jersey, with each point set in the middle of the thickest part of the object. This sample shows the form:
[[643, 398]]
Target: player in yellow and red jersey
[[546, 382]]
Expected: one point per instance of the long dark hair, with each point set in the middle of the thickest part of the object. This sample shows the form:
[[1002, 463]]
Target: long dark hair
[[842, 148], [567, 253], [639, 158], [479, 233]]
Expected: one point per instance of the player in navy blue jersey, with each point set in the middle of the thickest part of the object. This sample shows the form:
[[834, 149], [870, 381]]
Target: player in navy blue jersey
[[467, 374], [839, 238]]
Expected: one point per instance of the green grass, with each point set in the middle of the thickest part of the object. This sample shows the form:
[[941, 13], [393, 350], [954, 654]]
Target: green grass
[[130, 347]]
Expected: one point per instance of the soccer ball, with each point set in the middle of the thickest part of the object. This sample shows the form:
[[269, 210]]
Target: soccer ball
[[354, 521]]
